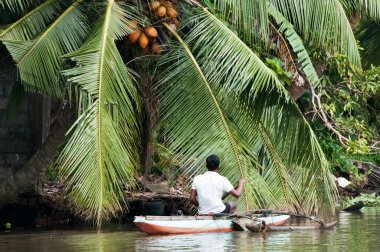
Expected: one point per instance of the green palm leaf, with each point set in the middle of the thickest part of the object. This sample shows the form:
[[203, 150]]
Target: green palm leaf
[[350, 7], [102, 150], [289, 153], [249, 17], [16, 5], [275, 172], [372, 8], [368, 33], [296, 43], [197, 125], [321, 23], [296, 146], [32, 23], [38, 60], [238, 70], [231, 65]]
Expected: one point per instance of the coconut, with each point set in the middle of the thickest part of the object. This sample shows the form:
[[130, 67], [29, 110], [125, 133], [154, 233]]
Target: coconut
[[161, 11], [134, 36], [168, 4], [151, 32], [132, 24], [154, 5], [156, 48], [172, 12], [143, 40]]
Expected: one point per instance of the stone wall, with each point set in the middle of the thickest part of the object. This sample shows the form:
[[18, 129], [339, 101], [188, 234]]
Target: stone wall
[[21, 136]]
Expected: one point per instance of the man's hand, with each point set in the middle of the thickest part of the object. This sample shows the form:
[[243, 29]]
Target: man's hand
[[239, 189], [241, 182]]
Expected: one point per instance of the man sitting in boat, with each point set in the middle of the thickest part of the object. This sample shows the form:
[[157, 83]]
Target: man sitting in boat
[[207, 190]]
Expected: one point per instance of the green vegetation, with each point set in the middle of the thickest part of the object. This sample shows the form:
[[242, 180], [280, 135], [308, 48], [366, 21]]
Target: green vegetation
[[351, 101], [222, 77], [370, 200]]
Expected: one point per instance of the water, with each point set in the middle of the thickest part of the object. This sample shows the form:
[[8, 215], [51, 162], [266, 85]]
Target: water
[[355, 232]]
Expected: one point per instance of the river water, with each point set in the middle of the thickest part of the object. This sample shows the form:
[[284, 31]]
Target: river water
[[355, 232]]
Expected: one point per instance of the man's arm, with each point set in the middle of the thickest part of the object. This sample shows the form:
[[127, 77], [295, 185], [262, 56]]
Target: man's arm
[[236, 192], [193, 197]]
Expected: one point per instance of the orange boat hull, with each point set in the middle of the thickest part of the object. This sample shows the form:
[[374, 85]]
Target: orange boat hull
[[155, 229]]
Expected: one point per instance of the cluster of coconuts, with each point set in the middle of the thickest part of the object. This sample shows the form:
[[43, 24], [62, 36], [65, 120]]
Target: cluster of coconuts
[[144, 36], [163, 9]]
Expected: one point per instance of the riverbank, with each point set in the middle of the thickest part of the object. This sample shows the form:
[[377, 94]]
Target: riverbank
[[154, 197]]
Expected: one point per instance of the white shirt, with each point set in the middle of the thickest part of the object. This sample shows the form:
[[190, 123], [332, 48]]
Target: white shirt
[[210, 187]]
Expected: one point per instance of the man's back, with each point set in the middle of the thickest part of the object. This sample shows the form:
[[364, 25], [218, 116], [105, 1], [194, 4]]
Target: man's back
[[210, 187]]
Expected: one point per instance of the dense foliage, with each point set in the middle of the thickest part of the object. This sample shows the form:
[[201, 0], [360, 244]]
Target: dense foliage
[[351, 100]]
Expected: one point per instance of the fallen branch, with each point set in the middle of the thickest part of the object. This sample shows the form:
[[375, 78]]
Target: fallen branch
[[269, 211], [319, 110], [364, 162], [248, 215]]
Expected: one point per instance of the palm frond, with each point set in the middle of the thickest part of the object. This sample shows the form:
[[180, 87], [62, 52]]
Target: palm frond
[[38, 60], [102, 149], [239, 69], [231, 66], [31, 23], [16, 5], [296, 43], [323, 24], [290, 156], [368, 33], [372, 8], [249, 17], [196, 125], [296, 145], [275, 173], [350, 7]]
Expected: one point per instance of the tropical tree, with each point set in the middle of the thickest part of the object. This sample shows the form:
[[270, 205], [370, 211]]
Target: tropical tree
[[214, 92]]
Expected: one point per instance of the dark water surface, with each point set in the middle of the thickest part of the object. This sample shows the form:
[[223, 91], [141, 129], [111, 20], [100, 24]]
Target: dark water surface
[[355, 232]]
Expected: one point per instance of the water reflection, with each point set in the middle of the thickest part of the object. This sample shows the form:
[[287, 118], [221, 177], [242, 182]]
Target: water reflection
[[191, 242], [355, 232]]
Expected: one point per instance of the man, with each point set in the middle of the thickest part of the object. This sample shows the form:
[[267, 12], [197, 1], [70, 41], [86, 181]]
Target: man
[[207, 190]]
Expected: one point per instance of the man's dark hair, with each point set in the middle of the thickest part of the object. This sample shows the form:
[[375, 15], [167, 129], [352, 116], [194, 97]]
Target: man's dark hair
[[212, 162]]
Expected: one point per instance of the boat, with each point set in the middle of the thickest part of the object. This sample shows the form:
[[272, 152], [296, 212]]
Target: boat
[[354, 207], [195, 224]]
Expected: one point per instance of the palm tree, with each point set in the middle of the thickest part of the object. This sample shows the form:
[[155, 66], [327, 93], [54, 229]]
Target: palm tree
[[214, 93]]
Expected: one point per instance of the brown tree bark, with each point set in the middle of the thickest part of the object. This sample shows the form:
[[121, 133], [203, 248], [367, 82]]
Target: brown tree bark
[[148, 149], [149, 124]]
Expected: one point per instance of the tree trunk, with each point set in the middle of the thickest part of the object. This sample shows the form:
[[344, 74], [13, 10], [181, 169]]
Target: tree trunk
[[149, 122], [148, 150]]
